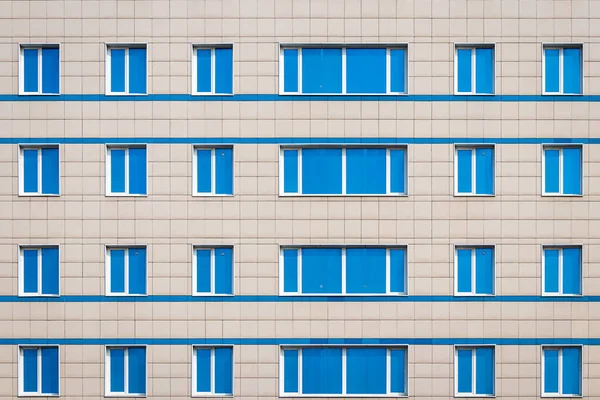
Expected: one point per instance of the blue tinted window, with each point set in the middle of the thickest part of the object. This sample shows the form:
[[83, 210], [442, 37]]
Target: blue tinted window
[[127, 373], [46, 181], [562, 271], [41, 70], [127, 265], [562, 373], [224, 70], [475, 371], [290, 70], [42, 261], [365, 70], [475, 70], [563, 70], [563, 171], [134, 160], [475, 172], [475, 271], [40, 370], [322, 371], [128, 70]]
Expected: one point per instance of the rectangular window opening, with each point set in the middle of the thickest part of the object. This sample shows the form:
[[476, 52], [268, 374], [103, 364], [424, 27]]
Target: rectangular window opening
[[126, 271], [39, 70], [562, 171], [561, 371], [474, 371], [474, 171], [213, 271], [212, 371], [39, 271], [39, 371], [474, 69], [474, 271], [212, 70], [126, 69], [39, 171], [562, 69], [213, 171], [125, 371], [126, 171], [562, 270]]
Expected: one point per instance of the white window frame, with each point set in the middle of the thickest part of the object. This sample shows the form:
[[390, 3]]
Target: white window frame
[[473, 148], [343, 47], [108, 163], [212, 271], [39, 148], [213, 76], [561, 76], [107, 276], [38, 248], [473, 47], [21, 374], [561, 170], [473, 370], [108, 377], [108, 72], [38, 47], [213, 172], [343, 293], [560, 249], [194, 379], [560, 372], [388, 349], [473, 249], [388, 177]]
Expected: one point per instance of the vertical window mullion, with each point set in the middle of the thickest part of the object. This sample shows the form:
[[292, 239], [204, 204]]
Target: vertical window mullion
[[213, 171], [299, 277], [473, 371], [213, 71], [344, 359], [300, 171], [473, 171], [388, 72], [343, 270], [300, 371], [39, 59], [39, 271], [344, 170], [560, 271], [388, 371], [560, 371], [561, 174], [213, 271], [126, 271], [126, 178], [561, 71], [300, 70], [39, 170], [39, 370], [473, 271], [126, 370], [473, 70], [213, 379], [388, 277], [126, 77], [343, 70], [388, 169]]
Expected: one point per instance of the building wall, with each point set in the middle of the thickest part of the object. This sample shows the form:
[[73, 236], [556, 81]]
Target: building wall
[[256, 221]]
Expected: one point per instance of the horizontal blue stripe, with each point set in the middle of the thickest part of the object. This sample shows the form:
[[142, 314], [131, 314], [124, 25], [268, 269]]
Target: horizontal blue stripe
[[277, 97], [296, 140], [300, 299], [303, 341]]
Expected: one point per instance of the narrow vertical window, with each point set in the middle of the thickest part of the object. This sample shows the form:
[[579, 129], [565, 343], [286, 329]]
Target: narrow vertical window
[[354, 70], [39, 171], [474, 69], [126, 271], [474, 172], [126, 69], [563, 69], [562, 171], [474, 372], [213, 271], [213, 171], [474, 271], [561, 371], [126, 171], [39, 271], [39, 371], [212, 70], [39, 70], [562, 271], [212, 371], [125, 373], [361, 171], [338, 270]]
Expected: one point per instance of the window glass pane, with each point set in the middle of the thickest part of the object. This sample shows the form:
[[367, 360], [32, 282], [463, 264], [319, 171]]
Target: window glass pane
[[365, 270], [398, 371], [572, 270], [398, 70], [465, 371], [465, 171], [117, 271], [572, 170], [321, 70], [50, 370], [50, 272], [30, 370], [223, 270], [290, 371], [117, 170], [571, 370], [464, 270], [551, 172], [204, 170], [117, 370], [484, 75], [397, 170], [137, 70], [224, 170], [551, 371], [137, 170], [551, 74], [117, 70], [365, 70], [365, 171], [50, 70], [572, 70], [484, 170], [484, 271], [30, 170], [203, 275], [137, 270], [224, 70], [366, 370], [322, 371], [30, 271], [551, 270], [322, 171], [137, 370], [321, 270], [203, 68], [397, 271], [50, 170], [223, 370], [203, 377], [464, 70], [290, 270], [484, 370], [290, 171], [30, 69], [290, 70]]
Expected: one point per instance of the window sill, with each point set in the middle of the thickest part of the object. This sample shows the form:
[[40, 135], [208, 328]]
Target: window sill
[[125, 395], [550, 295], [125, 195], [198, 294], [212, 395], [211, 195], [390, 395], [461, 395], [288, 294], [27, 295], [562, 94], [38, 195], [342, 195], [473, 195], [473, 295], [42, 95], [572, 396], [124, 295], [475, 94], [561, 195], [344, 94], [38, 395], [213, 95], [128, 95]]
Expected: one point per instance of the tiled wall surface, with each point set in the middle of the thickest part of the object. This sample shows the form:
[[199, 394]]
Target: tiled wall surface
[[256, 220]]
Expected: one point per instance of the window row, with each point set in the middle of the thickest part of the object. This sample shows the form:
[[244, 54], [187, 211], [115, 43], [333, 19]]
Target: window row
[[351, 371], [306, 270], [307, 171], [369, 69]]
